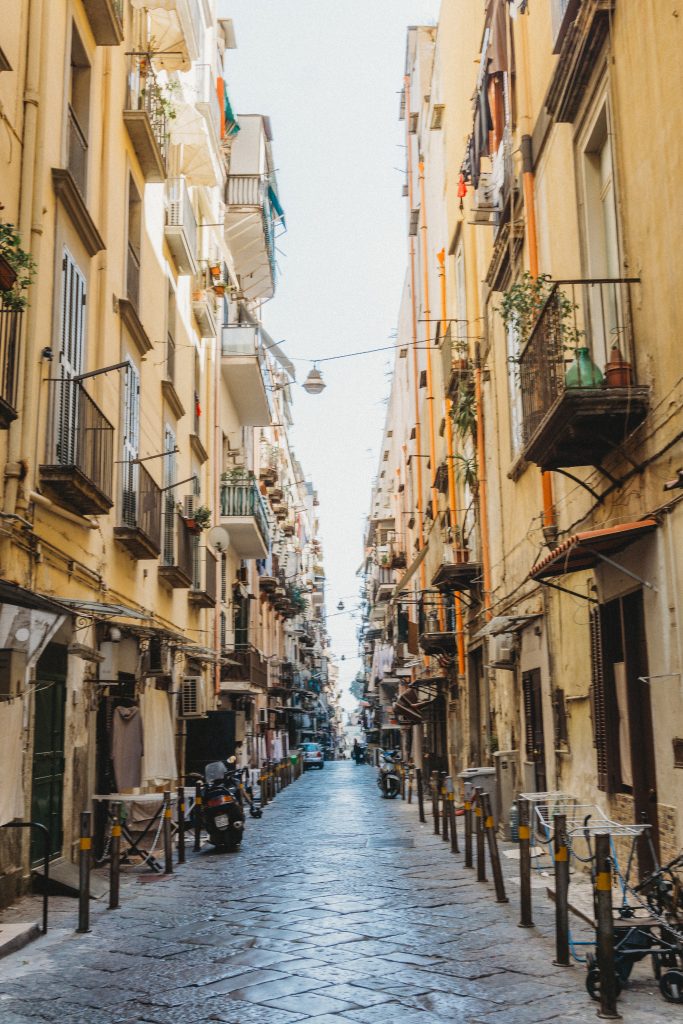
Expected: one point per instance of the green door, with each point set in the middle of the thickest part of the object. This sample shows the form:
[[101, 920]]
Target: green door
[[48, 749]]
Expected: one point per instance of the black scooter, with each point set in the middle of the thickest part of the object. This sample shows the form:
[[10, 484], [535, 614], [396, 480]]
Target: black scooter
[[223, 805]]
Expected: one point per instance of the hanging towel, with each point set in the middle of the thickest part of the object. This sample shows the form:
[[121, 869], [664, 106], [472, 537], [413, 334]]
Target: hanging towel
[[159, 764], [127, 747], [11, 785]]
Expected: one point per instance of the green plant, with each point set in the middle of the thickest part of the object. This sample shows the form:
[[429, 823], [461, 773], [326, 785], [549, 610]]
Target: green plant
[[466, 470], [464, 412], [202, 517], [237, 475], [21, 262], [522, 304]]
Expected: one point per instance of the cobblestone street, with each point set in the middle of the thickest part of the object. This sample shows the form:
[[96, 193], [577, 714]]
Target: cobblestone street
[[340, 907]]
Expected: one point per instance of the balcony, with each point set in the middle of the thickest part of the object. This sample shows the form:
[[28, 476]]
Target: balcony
[[580, 396], [204, 305], [250, 219], [140, 529], [181, 226], [436, 624], [580, 29], [242, 363], [456, 573], [145, 117], [176, 32], [10, 334], [269, 455], [80, 473], [204, 592], [176, 569], [106, 21], [247, 671], [243, 514], [207, 102]]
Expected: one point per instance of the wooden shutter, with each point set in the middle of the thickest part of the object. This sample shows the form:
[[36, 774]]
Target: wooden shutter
[[130, 446], [71, 356], [560, 719], [527, 688], [169, 497], [598, 700]]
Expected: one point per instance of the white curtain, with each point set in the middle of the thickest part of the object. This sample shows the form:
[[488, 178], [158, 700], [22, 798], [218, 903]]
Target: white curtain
[[11, 782], [159, 762]]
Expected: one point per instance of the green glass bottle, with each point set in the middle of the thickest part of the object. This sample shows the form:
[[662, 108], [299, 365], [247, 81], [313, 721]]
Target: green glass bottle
[[583, 373]]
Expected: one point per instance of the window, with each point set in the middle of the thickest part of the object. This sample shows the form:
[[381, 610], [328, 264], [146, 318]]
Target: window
[[134, 226], [170, 334], [170, 469], [78, 113], [130, 443], [71, 359]]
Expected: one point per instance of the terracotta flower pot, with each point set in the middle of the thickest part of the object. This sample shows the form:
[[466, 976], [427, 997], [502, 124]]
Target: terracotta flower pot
[[618, 372], [462, 555]]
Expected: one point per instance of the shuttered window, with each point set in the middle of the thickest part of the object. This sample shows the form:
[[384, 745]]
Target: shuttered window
[[599, 700], [527, 684], [169, 496], [71, 358], [130, 445]]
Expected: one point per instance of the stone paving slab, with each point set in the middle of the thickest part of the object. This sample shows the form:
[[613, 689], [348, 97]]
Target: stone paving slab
[[340, 907]]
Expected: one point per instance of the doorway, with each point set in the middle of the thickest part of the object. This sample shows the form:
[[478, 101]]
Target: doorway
[[533, 726], [47, 790]]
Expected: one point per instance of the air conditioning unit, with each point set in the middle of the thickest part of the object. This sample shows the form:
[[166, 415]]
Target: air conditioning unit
[[507, 785], [263, 716], [485, 199], [502, 649], [192, 697]]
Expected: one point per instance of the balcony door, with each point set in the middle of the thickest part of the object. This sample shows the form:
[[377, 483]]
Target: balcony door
[[533, 727], [71, 359], [47, 790], [170, 469], [130, 446]]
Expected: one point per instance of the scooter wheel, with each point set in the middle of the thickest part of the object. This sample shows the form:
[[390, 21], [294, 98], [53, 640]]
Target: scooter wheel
[[593, 983], [258, 813], [671, 986]]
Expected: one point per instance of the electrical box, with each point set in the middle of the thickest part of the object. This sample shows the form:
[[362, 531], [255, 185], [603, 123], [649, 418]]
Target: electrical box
[[507, 785]]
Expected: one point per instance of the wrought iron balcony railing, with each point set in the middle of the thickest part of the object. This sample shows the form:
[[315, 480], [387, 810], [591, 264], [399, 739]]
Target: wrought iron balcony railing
[[10, 333], [244, 499], [141, 505], [176, 567], [79, 473], [204, 592], [436, 623]]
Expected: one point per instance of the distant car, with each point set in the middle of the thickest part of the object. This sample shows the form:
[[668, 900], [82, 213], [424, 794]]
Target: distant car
[[312, 755]]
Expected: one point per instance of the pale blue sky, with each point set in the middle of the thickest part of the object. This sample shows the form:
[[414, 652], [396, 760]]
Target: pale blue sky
[[328, 73]]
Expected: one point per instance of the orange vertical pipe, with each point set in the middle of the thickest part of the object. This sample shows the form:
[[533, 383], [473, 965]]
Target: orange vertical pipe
[[483, 493], [450, 455], [428, 341], [416, 368]]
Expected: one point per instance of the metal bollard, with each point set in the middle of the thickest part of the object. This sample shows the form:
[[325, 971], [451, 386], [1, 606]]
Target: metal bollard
[[496, 869], [403, 780], [115, 859], [84, 872], [604, 937], [468, 832], [411, 772], [168, 841], [444, 808], [561, 852], [479, 827], [420, 794], [198, 817], [434, 788], [450, 793], [525, 920], [181, 825], [262, 787]]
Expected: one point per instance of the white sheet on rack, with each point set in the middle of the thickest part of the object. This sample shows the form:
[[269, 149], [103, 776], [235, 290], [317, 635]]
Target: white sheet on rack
[[11, 782], [158, 763]]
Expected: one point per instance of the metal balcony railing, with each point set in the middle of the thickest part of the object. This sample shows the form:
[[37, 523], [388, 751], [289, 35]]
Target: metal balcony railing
[[145, 93], [592, 314], [436, 613], [83, 437], [244, 499], [133, 275], [246, 664], [204, 577], [141, 501], [179, 212], [241, 341], [177, 541], [10, 332], [78, 151], [246, 190]]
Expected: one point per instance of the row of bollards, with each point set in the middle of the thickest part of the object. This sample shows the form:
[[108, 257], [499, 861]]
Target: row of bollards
[[274, 777], [480, 834]]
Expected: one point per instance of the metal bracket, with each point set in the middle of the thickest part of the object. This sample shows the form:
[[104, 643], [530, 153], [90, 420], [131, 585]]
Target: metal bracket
[[627, 572], [582, 483], [566, 590]]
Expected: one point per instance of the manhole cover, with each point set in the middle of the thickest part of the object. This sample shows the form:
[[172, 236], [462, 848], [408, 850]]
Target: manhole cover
[[380, 844]]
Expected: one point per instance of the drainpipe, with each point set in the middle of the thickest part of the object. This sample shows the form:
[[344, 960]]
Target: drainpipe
[[416, 367], [483, 493], [30, 229], [549, 517], [452, 493], [428, 341]]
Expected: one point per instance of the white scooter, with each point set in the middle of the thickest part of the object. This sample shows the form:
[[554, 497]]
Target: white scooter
[[388, 778]]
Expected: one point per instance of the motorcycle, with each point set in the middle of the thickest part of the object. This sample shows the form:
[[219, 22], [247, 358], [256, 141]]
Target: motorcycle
[[388, 778], [223, 804], [358, 754]]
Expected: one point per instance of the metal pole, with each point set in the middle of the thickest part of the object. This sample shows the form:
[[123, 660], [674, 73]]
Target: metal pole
[[479, 826], [450, 788], [198, 817], [115, 859], [434, 787], [604, 938], [84, 872], [403, 780], [444, 808], [181, 825], [168, 845], [47, 849], [411, 772], [525, 920], [420, 794], [497, 871], [561, 891], [468, 832]]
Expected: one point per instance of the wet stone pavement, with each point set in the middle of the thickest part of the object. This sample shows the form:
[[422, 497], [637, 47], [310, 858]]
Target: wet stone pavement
[[340, 908]]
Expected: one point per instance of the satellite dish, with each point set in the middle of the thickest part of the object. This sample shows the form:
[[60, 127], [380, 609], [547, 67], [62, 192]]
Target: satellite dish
[[219, 538]]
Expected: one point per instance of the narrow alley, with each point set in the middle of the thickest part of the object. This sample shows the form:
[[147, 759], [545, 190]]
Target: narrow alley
[[340, 907]]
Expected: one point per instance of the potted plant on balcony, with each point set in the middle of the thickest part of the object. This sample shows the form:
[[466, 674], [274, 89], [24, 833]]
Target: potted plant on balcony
[[16, 268]]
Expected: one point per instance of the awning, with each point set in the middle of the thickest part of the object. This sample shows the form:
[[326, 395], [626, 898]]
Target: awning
[[275, 203], [584, 550], [169, 46], [12, 593], [100, 610]]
